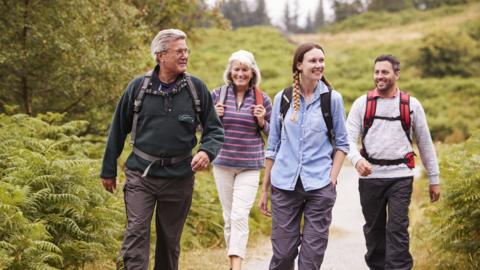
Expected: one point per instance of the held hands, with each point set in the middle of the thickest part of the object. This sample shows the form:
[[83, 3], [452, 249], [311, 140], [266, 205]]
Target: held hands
[[364, 168], [259, 112], [220, 109], [110, 184], [434, 192], [200, 161]]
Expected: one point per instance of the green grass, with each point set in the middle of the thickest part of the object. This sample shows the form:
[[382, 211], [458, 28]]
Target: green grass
[[376, 20], [272, 51]]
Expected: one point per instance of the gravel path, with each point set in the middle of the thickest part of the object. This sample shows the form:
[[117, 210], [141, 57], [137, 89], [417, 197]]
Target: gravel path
[[346, 245]]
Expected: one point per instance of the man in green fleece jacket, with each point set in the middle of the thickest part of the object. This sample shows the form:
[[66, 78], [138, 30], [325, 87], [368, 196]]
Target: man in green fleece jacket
[[161, 112]]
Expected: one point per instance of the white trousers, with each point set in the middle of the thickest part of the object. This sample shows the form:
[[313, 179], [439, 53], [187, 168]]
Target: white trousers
[[237, 189]]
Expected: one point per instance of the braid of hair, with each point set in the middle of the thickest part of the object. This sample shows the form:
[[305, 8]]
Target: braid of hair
[[296, 96]]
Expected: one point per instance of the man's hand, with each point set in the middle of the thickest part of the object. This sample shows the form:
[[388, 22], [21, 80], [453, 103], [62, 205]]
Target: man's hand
[[263, 204], [200, 161], [110, 184], [434, 192], [364, 168]]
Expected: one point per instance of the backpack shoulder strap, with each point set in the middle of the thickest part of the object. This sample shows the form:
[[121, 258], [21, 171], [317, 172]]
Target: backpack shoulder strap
[[326, 105], [197, 104], [258, 96], [370, 108], [285, 102], [223, 94], [258, 101], [137, 104], [405, 113]]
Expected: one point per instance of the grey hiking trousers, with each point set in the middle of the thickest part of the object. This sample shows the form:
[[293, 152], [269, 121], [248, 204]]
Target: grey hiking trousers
[[172, 198], [288, 207]]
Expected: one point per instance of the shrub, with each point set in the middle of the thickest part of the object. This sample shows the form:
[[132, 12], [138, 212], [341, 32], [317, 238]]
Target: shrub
[[449, 54], [473, 29], [450, 230]]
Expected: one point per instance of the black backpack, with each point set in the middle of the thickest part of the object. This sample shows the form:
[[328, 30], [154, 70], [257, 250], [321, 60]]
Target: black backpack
[[140, 94], [137, 107], [325, 104]]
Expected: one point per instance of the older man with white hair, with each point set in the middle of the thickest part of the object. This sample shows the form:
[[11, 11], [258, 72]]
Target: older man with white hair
[[161, 110]]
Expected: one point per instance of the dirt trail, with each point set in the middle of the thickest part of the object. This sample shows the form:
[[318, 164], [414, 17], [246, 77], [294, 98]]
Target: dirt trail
[[346, 245]]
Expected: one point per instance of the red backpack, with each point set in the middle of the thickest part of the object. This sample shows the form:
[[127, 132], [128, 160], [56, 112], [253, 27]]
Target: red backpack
[[405, 119]]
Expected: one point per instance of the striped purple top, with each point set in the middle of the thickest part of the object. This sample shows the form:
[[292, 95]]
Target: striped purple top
[[243, 145]]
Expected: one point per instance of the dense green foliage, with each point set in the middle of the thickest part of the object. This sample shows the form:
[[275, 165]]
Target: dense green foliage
[[448, 54], [53, 212], [66, 56], [273, 53], [185, 15], [450, 230], [383, 19], [77, 56]]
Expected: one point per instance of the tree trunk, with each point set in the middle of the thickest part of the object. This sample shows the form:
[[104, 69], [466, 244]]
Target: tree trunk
[[26, 92]]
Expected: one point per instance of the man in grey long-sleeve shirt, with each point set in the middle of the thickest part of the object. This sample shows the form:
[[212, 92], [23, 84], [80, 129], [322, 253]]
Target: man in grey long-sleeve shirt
[[385, 163]]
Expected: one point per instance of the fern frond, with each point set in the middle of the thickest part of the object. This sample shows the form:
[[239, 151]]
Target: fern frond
[[47, 246], [6, 246], [45, 181], [67, 163], [68, 226]]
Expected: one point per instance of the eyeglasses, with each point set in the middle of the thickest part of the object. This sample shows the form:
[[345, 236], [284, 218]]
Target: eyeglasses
[[180, 52]]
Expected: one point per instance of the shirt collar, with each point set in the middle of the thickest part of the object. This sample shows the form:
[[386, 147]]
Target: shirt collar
[[320, 89], [234, 89], [377, 95], [156, 72]]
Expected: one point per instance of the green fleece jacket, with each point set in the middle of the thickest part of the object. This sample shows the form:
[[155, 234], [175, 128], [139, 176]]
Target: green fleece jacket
[[166, 128]]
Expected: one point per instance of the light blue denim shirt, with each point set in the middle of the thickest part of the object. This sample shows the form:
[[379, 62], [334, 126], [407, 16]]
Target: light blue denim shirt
[[302, 148]]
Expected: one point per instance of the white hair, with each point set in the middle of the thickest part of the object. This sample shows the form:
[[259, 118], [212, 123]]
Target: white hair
[[246, 58], [163, 38]]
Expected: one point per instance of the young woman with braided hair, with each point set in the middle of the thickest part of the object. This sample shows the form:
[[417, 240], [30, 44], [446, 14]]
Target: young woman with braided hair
[[302, 165]]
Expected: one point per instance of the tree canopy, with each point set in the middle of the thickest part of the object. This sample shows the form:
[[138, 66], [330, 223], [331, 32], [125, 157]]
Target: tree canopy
[[76, 56]]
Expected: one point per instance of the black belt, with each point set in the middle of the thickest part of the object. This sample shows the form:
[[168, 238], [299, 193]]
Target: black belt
[[161, 160], [387, 162]]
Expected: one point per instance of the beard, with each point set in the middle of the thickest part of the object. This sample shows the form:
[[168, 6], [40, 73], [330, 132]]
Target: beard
[[384, 85]]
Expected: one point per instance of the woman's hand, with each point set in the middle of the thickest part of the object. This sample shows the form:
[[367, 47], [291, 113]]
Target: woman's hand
[[334, 182], [220, 108], [259, 112], [263, 204]]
